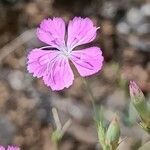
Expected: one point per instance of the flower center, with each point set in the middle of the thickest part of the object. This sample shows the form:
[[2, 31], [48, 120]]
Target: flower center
[[66, 52]]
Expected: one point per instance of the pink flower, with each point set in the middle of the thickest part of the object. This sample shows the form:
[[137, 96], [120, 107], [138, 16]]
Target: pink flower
[[2, 148], [135, 91], [52, 62], [9, 148], [136, 94], [13, 148]]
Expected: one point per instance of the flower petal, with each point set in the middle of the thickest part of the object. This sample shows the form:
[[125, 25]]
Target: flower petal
[[38, 61], [60, 74], [2, 148], [52, 66], [87, 61], [13, 148], [52, 32], [80, 31]]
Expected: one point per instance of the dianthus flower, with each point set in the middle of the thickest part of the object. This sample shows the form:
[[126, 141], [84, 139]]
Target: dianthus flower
[[52, 62], [9, 148], [2, 148]]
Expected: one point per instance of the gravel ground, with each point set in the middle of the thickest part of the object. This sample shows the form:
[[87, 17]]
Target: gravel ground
[[26, 103]]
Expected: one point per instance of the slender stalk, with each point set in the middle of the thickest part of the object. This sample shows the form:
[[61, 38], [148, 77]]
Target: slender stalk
[[100, 128], [92, 98]]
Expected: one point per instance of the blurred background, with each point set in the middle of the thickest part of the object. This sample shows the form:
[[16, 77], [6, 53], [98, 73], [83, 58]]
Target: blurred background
[[26, 118]]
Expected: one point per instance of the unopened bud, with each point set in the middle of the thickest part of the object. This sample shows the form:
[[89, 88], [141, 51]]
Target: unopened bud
[[135, 92], [113, 133], [139, 102]]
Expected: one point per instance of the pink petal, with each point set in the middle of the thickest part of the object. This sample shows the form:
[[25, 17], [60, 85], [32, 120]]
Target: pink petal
[[13, 148], [2, 148], [60, 74], [52, 66], [80, 31], [52, 32], [38, 61], [87, 61]]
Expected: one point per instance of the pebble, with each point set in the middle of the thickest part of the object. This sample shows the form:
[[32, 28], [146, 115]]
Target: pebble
[[108, 9], [7, 130], [145, 9], [16, 80], [144, 29], [123, 28], [134, 17]]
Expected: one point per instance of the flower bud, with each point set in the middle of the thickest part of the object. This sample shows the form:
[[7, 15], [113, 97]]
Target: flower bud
[[139, 102], [135, 92], [113, 133]]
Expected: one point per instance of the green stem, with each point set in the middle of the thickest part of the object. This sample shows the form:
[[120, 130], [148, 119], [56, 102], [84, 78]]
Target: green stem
[[92, 98], [102, 132]]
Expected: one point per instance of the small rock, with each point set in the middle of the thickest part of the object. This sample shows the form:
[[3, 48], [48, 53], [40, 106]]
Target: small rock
[[16, 79], [7, 130], [145, 9], [134, 17], [144, 29], [123, 28], [108, 9]]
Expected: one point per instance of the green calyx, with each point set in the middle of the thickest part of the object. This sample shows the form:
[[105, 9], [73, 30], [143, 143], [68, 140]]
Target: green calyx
[[113, 134], [109, 139]]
